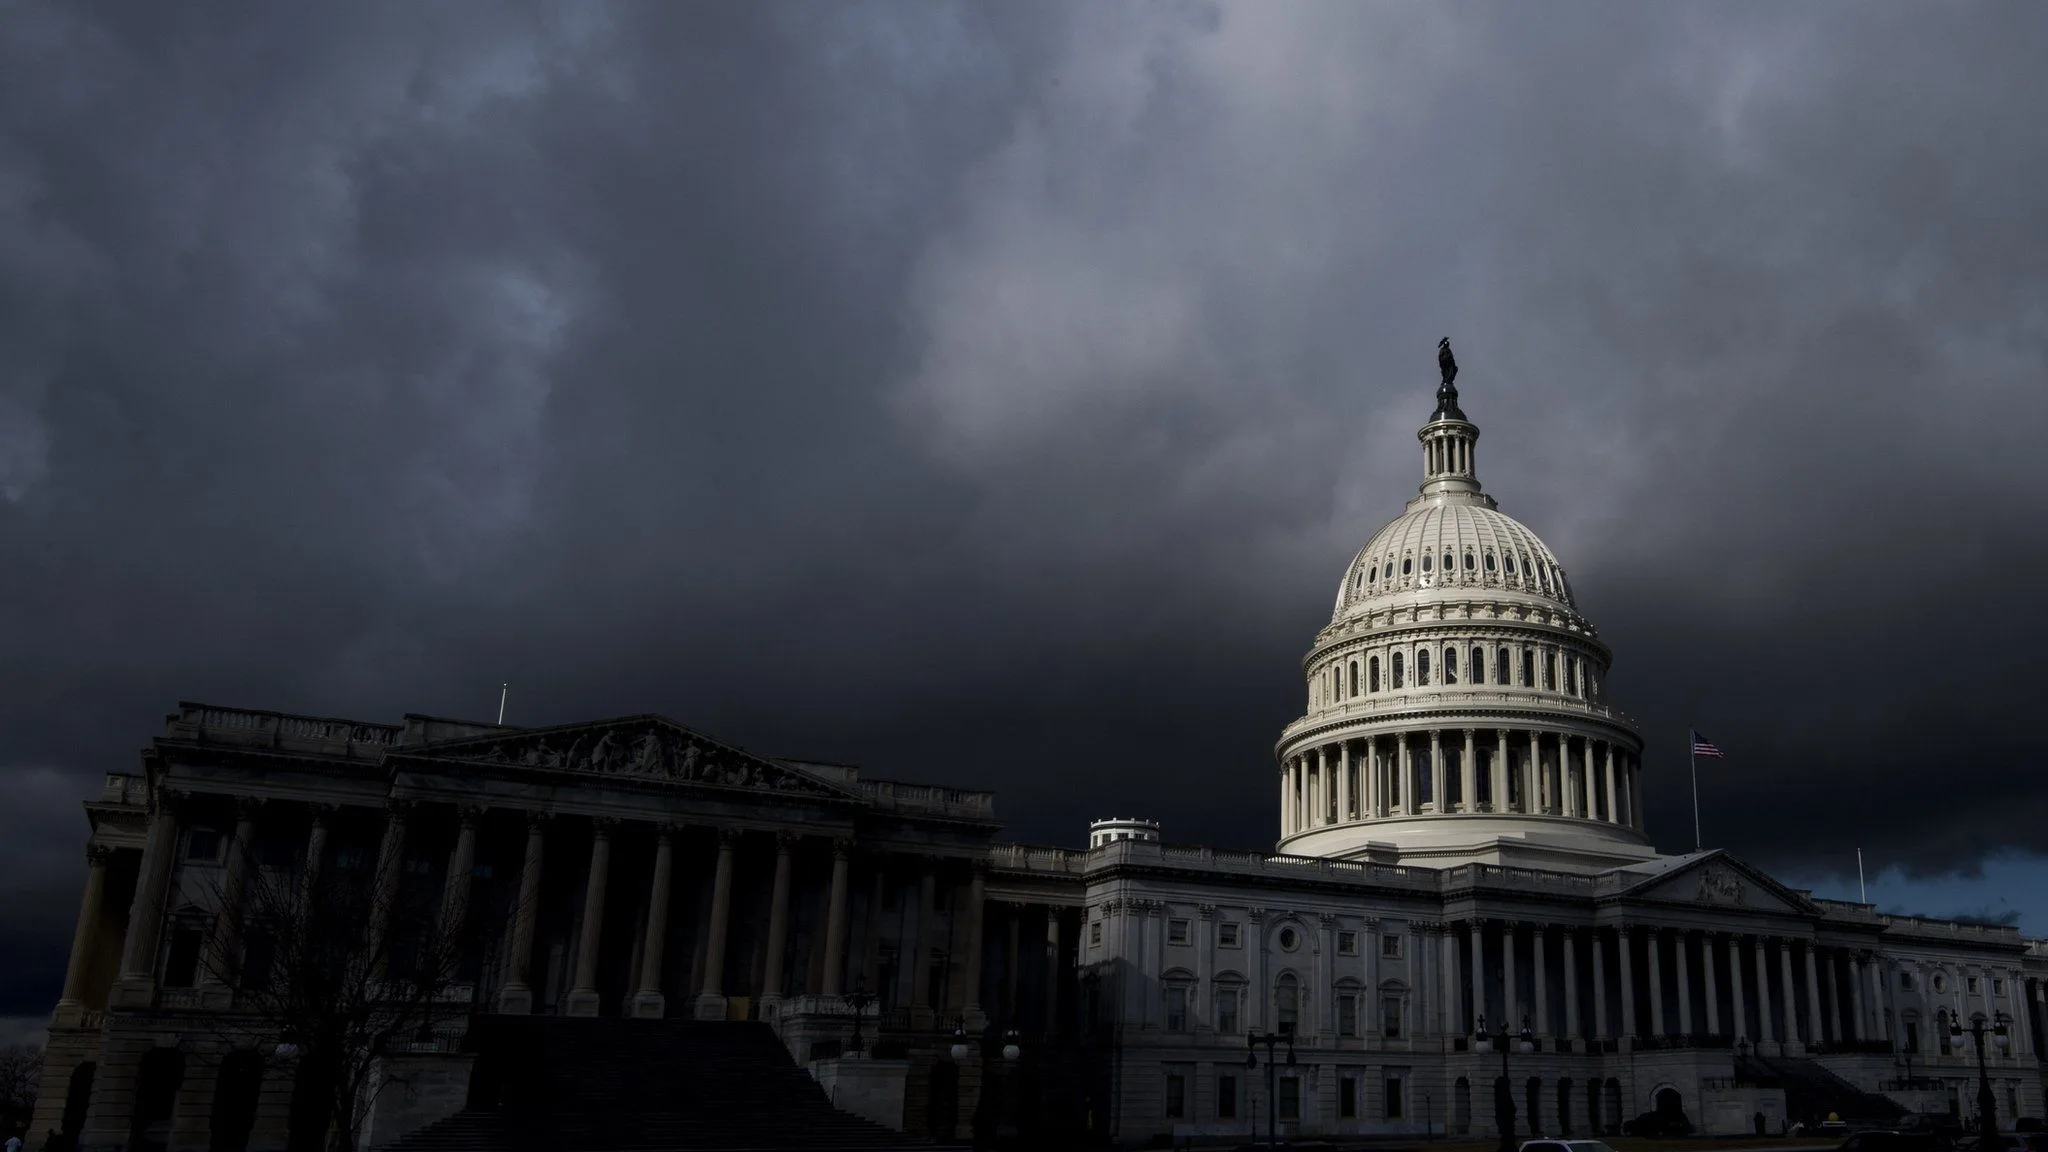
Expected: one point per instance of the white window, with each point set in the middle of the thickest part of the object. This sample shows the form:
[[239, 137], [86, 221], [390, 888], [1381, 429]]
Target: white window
[[1176, 931], [1227, 934], [1390, 945]]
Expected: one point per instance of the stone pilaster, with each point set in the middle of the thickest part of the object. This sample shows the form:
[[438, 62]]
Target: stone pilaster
[[648, 1001], [583, 998]]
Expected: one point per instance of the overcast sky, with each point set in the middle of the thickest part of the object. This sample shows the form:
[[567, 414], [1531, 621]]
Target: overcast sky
[[993, 394]]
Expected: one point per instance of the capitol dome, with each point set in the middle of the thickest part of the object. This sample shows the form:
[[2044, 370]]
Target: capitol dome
[[1457, 706]]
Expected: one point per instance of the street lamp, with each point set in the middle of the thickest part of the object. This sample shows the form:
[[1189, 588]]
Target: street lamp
[[1987, 1104], [1504, 1094], [960, 1049], [1251, 1060], [859, 998]]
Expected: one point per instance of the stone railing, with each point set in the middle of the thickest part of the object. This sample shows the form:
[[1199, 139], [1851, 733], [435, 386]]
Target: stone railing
[[1368, 707], [1278, 867], [1921, 926], [928, 800], [1030, 858], [125, 789], [1525, 879], [254, 727]]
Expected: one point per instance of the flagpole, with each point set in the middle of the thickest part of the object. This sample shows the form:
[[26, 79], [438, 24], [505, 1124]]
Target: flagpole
[[505, 690], [1692, 742], [1862, 893]]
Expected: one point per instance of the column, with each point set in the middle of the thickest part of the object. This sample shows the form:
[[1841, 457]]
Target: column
[[835, 919], [1877, 991], [84, 938], [1813, 1026], [582, 999], [1375, 789], [1600, 986], [1344, 782], [316, 846], [1857, 1020], [1613, 801], [778, 917], [1052, 966], [1738, 1023], [1766, 1029], [1468, 771], [1567, 784], [977, 898], [1542, 974], [1590, 808], [516, 997], [1713, 1027], [710, 1003], [1684, 986], [1535, 770], [1438, 798], [461, 873], [1572, 1027], [227, 920], [1511, 998], [1405, 783], [1791, 1000], [1628, 981], [137, 985], [648, 1001], [921, 960], [1478, 973], [1653, 942], [1447, 944], [390, 870], [1500, 772]]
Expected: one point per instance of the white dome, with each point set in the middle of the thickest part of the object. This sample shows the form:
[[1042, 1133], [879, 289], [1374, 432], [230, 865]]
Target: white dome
[[1450, 542]]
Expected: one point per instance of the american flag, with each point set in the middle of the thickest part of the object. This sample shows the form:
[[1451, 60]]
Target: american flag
[[1701, 746]]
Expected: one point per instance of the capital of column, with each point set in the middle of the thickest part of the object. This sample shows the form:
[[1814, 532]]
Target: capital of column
[[1326, 919], [728, 836], [842, 847], [666, 831], [1206, 911], [785, 842], [97, 855], [471, 815], [604, 826], [323, 812], [249, 807], [1255, 915]]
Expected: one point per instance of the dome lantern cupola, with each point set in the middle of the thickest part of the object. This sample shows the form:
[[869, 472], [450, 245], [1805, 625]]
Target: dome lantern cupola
[[1448, 466]]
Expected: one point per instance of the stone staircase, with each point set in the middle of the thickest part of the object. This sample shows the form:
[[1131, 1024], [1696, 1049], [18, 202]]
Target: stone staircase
[[550, 1084], [1812, 1092]]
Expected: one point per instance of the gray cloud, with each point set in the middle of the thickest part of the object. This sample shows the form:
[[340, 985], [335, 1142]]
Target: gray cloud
[[995, 395]]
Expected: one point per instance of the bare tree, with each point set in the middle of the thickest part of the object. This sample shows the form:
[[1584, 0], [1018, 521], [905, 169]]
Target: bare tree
[[20, 1066], [338, 968]]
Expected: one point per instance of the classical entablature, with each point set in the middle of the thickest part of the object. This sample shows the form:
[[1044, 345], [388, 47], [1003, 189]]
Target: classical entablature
[[637, 750]]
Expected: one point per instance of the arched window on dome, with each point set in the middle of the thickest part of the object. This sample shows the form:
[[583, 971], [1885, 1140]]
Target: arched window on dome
[[1489, 560], [1358, 582], [1528, 569], [1471, 563], [1510, 559], [1372, 674], [1450, 665], [1422, 668], [1478, 664], [1501, 668], [1425, 562], [1398, 678], [1528, 668], [1407, 565], [1354, 679], [1550, 671], [1571, 678], [1450, 563]]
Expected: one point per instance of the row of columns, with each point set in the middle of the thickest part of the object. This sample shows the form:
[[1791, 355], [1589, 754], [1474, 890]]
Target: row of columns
[[135, 986], [1496, 770]]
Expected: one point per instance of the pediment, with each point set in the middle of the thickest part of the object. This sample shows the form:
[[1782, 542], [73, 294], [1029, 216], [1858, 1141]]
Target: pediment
[[644, 749], [1713, 880]]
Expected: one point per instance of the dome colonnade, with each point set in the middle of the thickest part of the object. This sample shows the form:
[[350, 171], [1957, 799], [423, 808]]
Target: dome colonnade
[[1458, 696]]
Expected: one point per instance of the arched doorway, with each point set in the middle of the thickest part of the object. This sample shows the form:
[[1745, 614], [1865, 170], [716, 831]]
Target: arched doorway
[[1669, 1104], [1613, 1105], [942, 1102], [77, 1098], [1461, 1106], [1564, 1106], [157, 1081], [234, 1101], [1534, 1103]]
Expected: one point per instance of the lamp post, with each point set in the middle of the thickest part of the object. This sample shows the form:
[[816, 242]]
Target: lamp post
[[1251, 1060], [859, 999], [1987, 1104], [992, 1101], [1504, 1093]]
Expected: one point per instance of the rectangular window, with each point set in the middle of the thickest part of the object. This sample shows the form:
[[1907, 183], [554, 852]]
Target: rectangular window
[[1347, 943], [181, 969], [1290, 1098], [1226, 1097], [202, 844], [1395, 1100], [1226, 1011], [1528, 669], [1390, 945], [1176, 1096], [1390, 1016], [1973, 985], [1347, 1098], [1226, 935], [1997, 987], [1177, 1009], [1095, 934], [1176, 931], [1347, 1015], [1912, 1035], [1905, 979]]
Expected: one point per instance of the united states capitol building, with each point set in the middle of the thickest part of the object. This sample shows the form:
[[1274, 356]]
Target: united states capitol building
[[1460, 853]]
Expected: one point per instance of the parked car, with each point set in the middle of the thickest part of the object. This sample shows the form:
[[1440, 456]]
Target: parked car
[[1564, 1146]]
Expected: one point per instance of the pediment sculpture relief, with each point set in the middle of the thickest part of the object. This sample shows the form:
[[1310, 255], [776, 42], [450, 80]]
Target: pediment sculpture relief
[[651, 752], [1719, 886]]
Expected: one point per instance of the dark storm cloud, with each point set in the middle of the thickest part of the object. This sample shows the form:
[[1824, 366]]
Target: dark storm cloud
[[994, 394]]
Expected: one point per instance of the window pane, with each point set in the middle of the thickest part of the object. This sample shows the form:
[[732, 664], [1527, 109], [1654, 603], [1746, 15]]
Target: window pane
[[1226, 1097]]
